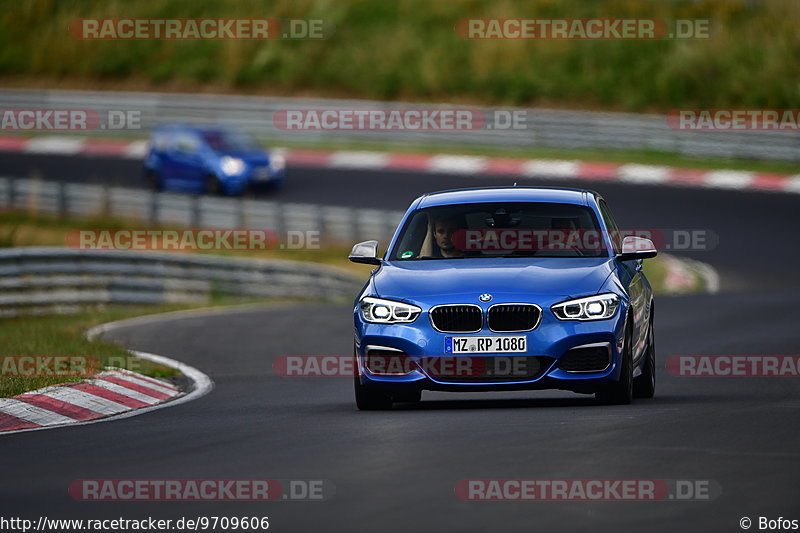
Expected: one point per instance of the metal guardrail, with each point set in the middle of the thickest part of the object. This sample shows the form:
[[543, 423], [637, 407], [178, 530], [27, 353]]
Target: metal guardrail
[[552, 128], [39, 280], [344, 225], [44, 280]]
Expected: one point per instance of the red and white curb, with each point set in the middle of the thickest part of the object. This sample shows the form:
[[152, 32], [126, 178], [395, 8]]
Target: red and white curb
[[465, 165], [109, 395], [110, 392]]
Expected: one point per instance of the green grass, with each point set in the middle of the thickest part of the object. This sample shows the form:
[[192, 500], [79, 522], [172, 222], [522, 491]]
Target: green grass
[[656, 271], [409, 50], [63, 335]]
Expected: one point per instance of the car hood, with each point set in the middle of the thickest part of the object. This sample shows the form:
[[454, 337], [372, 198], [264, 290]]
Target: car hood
[[255, 157], [506, 279]]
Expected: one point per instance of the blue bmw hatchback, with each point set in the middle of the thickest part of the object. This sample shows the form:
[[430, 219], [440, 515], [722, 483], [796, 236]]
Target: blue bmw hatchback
[[212, 159], [512, 288]]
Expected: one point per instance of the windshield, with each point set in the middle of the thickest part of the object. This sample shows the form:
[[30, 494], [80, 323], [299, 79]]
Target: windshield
[[490, 230], [230, 141]]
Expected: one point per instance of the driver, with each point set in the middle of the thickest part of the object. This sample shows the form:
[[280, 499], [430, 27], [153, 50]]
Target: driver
[[566, 235], [443, 229]]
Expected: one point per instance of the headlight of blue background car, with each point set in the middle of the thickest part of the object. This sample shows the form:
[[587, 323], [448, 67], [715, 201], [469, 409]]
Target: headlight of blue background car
[[231, 165], [277, 162], [381, 311], [590, 308]]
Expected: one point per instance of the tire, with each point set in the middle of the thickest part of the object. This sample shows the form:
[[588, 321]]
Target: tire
[[370, 400], [213, 186], [153, 181], [408, 397], [274, 186], [621, 392], [645, 385]]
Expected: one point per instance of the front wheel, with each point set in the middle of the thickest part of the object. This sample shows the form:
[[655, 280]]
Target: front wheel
[[645, 385], [213, 186], [153, 181], [408, 397], [370, 400], [621, 392]]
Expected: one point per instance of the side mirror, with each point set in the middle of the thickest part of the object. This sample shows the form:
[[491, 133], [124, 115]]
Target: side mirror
[[365, 252], [634, 248]]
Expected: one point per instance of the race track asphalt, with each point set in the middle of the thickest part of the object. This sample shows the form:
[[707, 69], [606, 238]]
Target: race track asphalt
[[396, 471]]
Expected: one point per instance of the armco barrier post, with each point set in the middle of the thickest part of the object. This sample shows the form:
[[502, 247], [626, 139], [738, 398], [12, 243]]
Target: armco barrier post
[[241, 215], [321, 228], [195, 210], [67, 199], [152, 212], [355, 223], [106, 200], [62, 199], [280, 218], [12, 189]]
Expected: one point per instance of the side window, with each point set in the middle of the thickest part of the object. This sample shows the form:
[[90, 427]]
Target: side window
[[186, 143], [160, 141], [413, 238], [616, 238]]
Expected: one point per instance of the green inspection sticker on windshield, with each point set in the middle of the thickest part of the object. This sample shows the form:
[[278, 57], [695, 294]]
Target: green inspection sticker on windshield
[[406, 255]]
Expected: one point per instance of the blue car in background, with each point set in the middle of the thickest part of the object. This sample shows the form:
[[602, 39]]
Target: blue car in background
[[209, 159], [510, 288]]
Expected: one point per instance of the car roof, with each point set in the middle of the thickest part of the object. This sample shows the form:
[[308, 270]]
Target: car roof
[[200, 128], [507, 194]]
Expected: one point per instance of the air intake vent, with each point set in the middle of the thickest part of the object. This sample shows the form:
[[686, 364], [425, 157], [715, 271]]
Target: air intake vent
[[457, 318], [513, 317], [588, 358]]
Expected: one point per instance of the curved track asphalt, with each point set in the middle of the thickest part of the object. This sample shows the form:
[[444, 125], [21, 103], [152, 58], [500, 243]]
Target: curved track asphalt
[[395, 471]]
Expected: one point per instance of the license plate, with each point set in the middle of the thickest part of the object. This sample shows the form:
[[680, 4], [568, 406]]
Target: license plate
[[493, 344], [262, 173]]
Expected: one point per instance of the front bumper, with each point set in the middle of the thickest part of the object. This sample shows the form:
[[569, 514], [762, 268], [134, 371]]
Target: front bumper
[[253, 178], [266, 176], [548, 343]]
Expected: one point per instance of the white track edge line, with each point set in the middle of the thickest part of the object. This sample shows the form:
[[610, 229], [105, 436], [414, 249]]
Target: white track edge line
[[100, 329]]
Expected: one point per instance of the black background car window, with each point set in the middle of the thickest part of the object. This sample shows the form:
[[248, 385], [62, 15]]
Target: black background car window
[[186, 143]]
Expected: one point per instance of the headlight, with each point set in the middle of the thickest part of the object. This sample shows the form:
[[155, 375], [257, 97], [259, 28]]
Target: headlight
[[589, 308], [231, 165], [277, 162], [387, 312]]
